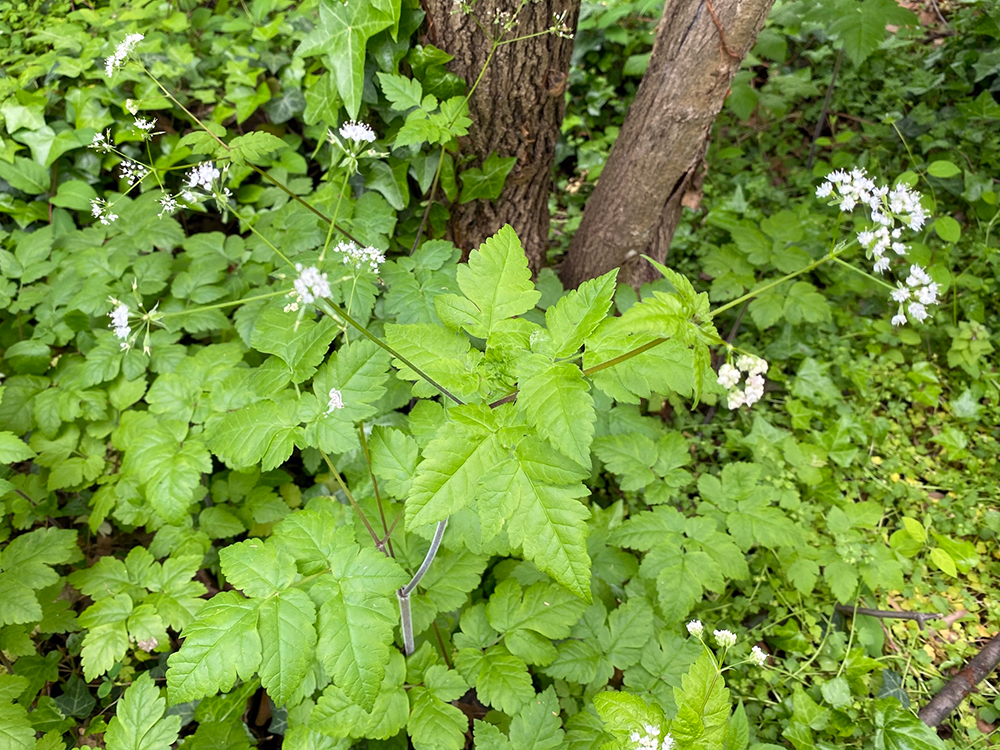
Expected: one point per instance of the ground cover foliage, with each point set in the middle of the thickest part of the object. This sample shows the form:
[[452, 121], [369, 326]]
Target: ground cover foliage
[[196, 525]]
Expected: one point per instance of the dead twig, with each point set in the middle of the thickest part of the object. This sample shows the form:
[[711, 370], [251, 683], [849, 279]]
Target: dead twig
[[963, 683], [890, 614]]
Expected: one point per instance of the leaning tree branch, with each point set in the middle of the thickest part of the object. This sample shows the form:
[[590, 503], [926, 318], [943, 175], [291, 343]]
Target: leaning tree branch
[[890, 614], [962, 684]]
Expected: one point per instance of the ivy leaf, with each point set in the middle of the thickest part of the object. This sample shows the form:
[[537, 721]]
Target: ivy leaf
[[497, 282], [860, 27], [139, 723], [356, 617], [219, 646], [486, 182], [340, 37], [898, 729]]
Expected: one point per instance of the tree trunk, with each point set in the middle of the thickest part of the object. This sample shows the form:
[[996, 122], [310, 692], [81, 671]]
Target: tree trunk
[[516, 111], [658, 156]]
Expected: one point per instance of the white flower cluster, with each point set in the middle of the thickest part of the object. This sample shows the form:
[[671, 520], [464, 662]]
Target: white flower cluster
[[757, 656], [361, 256], [358, 132], [101, 210], [649, 739], [168, 204], [725, 638], [119, 322], [122, 51], [311, 284], [887, 207], [145, 127], [203, 176], [336, 401], [695, 628], [855, 188], [729, 378], [919, 291], [132, 172], [102, 142]]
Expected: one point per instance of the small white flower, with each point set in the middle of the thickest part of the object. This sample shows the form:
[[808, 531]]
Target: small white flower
[[695, 628], [101, 211], [119, 321], [131, 107], [901, 294], [336, 401], [866, 238], [899, 319], [123, 50], [132, 171], [102, 142], [358, 257], [311, 283], [754, 390], [168, 204], [725, 638], [881, 265], [917, 311], [736, 399], [729, 376], [825, 190], [928, 294], [757, 656], [145, 127], [203, 176], [358, 132]]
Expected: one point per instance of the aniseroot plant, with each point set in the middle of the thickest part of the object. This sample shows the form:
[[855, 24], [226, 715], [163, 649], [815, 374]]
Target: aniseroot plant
[[491, 457]]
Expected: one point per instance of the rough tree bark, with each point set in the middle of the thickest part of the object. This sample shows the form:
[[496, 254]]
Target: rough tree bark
[[516, 111], [659, 153]]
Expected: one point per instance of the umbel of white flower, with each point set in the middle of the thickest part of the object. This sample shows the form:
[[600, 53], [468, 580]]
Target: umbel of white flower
[[757, 656], [358, 132], [119, 323], [359, 257], [729, 378], [649, 739], [311, 283], [916, 295], [695, 628], [725, 638], [101, 210], [122, 51]]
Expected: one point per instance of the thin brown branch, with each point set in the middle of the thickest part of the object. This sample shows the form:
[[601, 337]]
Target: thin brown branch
[[890, 614], [722, 34], [963, 683]]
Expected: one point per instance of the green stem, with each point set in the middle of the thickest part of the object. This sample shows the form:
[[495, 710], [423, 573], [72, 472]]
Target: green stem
[[867, 275], [357, 508], [336, 213], [378, 495], [331, 309], [265, 240], [220, 305]]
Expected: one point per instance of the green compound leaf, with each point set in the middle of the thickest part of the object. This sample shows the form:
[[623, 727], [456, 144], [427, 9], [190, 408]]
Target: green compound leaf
[[357, 613], [497, 283], [219, 646], [575, 316], [702, 705], [488, 181], [861, 27], [139, 723], [403, 93], [252, 147], [537, 726], [463, 451], [258, 568], [301, 345], [501, 679], [262, 432], [287, 627], [338, 716], [12, 448], [340, 37], [434, 723], [555, 399]]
